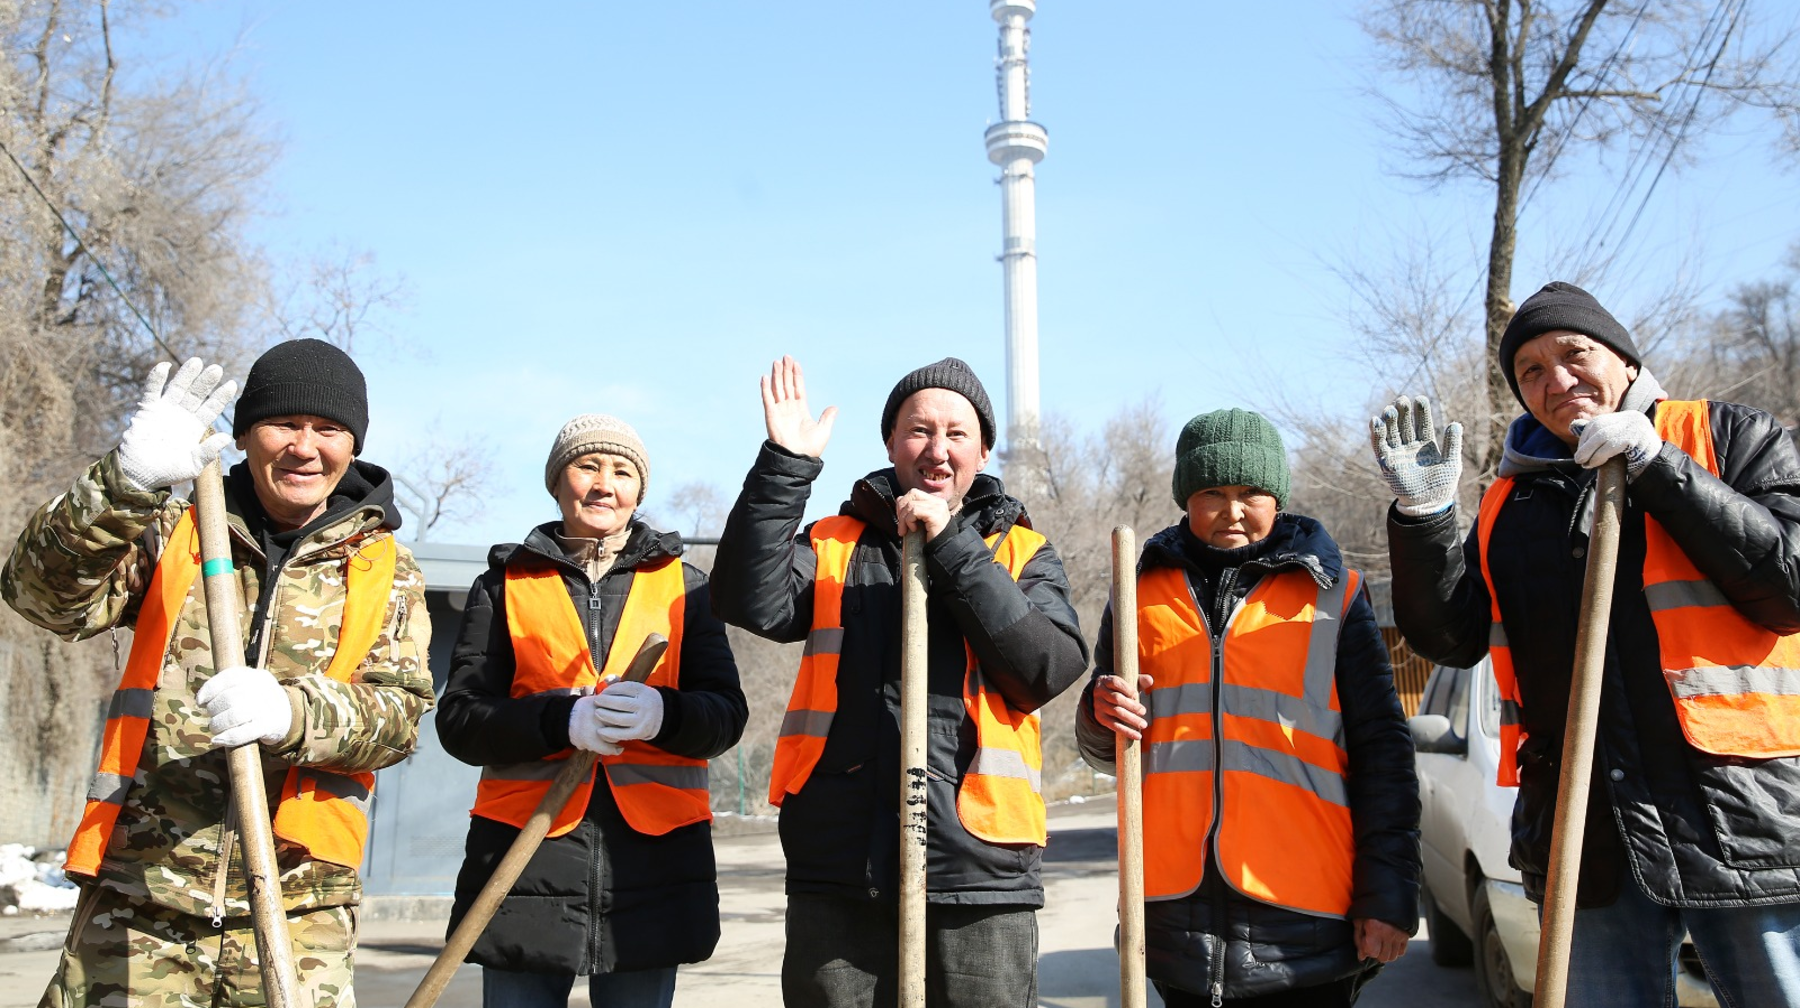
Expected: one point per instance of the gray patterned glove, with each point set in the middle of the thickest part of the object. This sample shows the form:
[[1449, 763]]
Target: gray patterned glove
[[1422, 474], [1627, 432]]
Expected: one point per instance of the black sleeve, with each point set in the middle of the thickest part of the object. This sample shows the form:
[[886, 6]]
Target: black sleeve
[[706, 715], [478, 720], [1440, 602], [1383, 785], [1741, 528], [1099, 747], [1024, 633], [762, 575]]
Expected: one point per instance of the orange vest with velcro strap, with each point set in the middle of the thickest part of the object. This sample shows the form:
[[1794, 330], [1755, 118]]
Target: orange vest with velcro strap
[[1000, 799], [657, 791], [1272, 753], [1735, 685], [325, 812]]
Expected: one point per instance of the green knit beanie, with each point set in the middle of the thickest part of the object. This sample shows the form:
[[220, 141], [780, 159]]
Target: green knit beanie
[[1230, 447]]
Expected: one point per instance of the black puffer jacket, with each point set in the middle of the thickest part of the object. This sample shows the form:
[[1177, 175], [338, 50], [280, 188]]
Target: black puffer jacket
[[1696, 829], [840, 832], [603, 898], [1268, 948]]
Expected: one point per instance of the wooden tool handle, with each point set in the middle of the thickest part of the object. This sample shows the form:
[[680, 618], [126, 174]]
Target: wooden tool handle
[[249, 793], [1131, 776], [1578, 738], [914, 656]]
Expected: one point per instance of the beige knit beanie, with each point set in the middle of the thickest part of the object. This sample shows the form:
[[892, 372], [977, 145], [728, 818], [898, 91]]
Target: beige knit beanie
[[597, 432]]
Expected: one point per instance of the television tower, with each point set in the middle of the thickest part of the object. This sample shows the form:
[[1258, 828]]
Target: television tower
[[1016, 144]]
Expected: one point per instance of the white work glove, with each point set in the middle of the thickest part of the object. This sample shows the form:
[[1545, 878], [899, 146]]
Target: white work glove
[[167, 441], [246, 705], [1421, 473], [629, 710], [1627, 432], [584, 728]]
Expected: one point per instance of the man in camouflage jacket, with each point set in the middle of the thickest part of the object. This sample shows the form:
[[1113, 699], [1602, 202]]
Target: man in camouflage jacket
[[164, 917]]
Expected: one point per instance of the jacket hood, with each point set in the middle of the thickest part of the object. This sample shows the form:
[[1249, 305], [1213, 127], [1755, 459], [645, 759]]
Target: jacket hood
[[986, 506], [1530, 447], [365, 487], [644, 545], [1294, 541]]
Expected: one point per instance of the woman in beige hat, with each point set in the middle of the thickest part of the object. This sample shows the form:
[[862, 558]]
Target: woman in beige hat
[[623, 890]]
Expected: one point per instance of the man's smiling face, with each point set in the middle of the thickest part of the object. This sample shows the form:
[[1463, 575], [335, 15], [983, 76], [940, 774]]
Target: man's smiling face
[[936, 446]]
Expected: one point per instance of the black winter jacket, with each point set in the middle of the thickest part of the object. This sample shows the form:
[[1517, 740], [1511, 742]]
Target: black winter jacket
[[603, 898], [1268, 948], [840, 832], [1694, 829]]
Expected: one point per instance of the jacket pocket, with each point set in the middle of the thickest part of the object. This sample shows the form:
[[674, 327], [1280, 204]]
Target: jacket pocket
[[1750, 804]]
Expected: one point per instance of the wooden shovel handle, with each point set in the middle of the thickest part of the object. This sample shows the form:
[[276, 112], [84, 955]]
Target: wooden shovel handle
[[1578, 738], [575, 769], [250, 796], [1131, 776]]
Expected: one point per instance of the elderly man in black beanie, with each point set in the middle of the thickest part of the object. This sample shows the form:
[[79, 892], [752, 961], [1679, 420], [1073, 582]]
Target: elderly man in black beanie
[[1003, 641], [331, 681], [1695, 771]]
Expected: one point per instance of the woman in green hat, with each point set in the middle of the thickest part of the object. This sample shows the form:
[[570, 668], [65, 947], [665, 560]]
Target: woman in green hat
[[1281, 811]]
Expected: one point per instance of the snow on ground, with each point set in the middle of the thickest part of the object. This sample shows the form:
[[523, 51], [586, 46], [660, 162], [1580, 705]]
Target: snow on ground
[[32, 881]]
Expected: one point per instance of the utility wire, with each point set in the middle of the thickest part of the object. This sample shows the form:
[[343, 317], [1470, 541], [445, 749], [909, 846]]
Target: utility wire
[[70, 228], [1681, 131]]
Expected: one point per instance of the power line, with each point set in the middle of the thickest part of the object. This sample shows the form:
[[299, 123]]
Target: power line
[[101, 266], [1687, 120]]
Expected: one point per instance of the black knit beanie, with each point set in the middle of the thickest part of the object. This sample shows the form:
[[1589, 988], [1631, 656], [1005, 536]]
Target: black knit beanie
[[1561, 306], [305, 377], [1230, 447], [948, 373]]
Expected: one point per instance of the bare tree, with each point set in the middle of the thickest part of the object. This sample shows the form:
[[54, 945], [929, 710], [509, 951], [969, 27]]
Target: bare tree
[[447, 479], [341, 297], [696, 508], [1749, 352], [1501, 91], [157, 170], [1089, 484]]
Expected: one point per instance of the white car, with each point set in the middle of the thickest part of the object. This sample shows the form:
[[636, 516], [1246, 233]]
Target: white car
[[1474, 905]]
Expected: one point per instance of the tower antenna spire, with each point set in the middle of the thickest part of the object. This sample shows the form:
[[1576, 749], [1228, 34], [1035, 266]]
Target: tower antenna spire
[[1017, 144]]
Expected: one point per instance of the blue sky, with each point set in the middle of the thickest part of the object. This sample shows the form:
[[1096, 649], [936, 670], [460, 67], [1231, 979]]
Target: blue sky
[[633, 207]]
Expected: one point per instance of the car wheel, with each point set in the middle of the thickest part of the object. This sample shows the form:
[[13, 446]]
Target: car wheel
[[1449, 946], [1493, 971]]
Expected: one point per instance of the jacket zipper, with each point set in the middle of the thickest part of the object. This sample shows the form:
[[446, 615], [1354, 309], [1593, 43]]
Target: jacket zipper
[[1222, 599], [596, 841]]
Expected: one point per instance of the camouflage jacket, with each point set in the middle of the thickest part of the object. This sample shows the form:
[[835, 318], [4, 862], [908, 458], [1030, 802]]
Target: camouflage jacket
[[82, 566]]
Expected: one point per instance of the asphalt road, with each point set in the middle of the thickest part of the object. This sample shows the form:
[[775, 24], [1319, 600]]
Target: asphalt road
[[1077, 967]]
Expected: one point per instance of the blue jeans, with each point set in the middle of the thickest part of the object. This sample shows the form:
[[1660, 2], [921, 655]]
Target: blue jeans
[[1624, 954], [651, 988]]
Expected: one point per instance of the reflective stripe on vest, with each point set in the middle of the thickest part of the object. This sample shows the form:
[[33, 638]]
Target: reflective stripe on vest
[[1499, 651], [325, 812], [1736, 685], [1277, 759], [656, 790], [1000, 799]]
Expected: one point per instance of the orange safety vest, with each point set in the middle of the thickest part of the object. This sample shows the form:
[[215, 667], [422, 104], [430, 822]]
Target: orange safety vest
[[1276, 742], [324, 811], [1001, 797], [657, 791], [1735, 685]]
